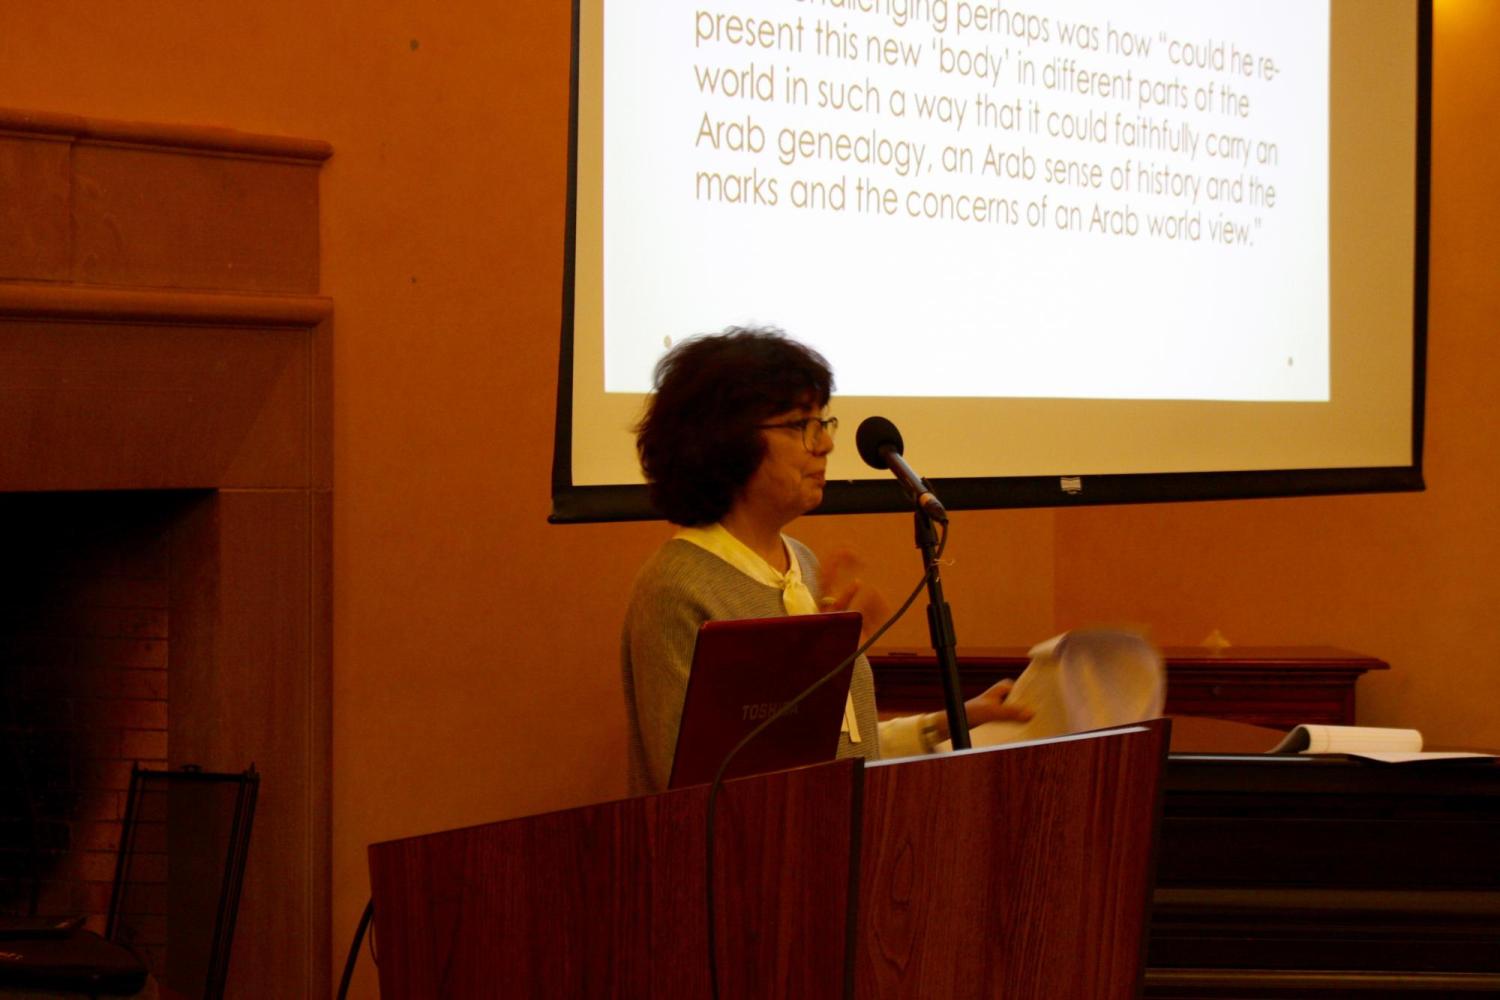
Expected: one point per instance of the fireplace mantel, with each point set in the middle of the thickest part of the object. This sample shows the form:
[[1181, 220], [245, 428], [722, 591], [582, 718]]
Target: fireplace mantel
[[161, 330]]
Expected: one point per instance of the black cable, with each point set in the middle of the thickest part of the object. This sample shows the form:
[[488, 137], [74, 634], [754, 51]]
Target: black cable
[[713, 789], [364, 923]]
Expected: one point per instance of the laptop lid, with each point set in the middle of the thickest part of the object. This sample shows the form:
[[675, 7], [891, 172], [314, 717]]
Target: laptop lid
[[742, 672]]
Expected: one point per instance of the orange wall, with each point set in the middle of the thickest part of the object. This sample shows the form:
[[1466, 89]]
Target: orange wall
[[475, 649], [475, 672], [1414, 579]]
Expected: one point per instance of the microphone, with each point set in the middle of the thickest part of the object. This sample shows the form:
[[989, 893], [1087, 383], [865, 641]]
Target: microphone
[[880, 445]]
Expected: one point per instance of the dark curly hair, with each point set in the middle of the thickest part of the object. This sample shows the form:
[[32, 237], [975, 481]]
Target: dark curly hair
[[698, 442]]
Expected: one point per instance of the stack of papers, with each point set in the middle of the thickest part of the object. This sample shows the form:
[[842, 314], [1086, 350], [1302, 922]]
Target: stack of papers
[[1393, 746]]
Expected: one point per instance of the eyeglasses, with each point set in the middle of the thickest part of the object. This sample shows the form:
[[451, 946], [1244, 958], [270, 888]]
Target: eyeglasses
[[813, 430]]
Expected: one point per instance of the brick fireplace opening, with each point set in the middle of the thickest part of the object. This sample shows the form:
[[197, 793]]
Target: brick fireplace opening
[[85, 627]]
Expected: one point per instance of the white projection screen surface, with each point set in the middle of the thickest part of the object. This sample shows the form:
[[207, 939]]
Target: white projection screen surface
[[1078, 251]]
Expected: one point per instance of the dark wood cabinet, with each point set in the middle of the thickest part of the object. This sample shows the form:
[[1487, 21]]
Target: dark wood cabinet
[[1276, 686], [1292, 876], [1282, 877]]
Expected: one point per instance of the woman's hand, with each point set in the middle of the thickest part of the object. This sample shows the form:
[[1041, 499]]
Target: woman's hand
[[845, 590], [992, 706]]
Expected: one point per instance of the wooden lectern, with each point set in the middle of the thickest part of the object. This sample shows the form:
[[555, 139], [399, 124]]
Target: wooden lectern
[[1016, 872]]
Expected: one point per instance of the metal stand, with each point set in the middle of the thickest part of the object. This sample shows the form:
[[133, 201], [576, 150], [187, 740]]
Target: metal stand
[[940, 627]]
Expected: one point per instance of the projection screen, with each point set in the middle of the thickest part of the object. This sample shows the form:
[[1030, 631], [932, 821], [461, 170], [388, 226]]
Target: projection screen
[[1078, 251]]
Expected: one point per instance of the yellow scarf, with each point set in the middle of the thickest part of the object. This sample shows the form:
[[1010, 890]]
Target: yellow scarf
[[796, 599]]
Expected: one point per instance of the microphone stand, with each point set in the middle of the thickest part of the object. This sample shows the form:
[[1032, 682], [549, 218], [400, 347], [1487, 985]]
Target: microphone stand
[[940, 627]]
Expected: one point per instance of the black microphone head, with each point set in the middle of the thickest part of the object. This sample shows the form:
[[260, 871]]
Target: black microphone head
[[876, 436]]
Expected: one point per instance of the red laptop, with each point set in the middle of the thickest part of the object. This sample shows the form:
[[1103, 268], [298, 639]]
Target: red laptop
[[742, 672]]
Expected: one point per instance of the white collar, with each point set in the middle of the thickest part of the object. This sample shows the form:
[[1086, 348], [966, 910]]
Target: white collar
[[715, 538]]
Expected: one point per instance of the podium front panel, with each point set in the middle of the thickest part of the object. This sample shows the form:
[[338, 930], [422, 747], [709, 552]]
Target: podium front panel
[[1021, 872], [608, 900]]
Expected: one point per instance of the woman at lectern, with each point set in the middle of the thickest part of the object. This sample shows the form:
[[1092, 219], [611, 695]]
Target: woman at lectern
[[735, 447]]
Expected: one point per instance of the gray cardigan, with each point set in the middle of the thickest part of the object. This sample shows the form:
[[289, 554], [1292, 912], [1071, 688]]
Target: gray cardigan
[[679, 588]]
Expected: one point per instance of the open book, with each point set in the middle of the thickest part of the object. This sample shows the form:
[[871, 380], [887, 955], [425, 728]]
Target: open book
[[1394, 746]]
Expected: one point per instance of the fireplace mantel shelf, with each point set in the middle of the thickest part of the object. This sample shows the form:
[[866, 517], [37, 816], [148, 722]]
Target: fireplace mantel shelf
[[203, 138], [37, 300]]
